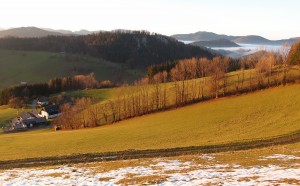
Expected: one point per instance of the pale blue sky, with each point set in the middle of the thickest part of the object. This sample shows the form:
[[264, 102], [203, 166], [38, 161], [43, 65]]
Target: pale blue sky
[[273, 19]]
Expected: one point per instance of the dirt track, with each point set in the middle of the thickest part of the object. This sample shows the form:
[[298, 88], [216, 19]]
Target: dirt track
[[134, 154]]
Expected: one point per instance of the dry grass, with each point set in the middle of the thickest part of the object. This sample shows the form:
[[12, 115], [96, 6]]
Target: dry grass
[[54, 175], [248, 178], [100, 167], [143, 180], [290, 181], [105, 178], [253, 157]]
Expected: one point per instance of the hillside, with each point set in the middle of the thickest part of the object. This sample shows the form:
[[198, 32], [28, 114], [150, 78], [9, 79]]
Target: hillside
[[251, 39], [216, 43], [133, 49], [6, 114], [25, 32], [37, 67], [69, 32], [260, 115], [201, 36]]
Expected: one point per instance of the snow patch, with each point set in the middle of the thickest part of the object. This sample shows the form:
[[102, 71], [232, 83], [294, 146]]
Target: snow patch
[[207, 157], [281, 157], [182, 173]]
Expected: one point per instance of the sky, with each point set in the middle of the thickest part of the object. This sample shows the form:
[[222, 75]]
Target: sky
[[273, 19]]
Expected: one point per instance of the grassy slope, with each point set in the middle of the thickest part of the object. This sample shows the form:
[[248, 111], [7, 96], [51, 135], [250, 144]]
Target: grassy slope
[[97, 94], [256, 115], [34, 67], [6, 113]]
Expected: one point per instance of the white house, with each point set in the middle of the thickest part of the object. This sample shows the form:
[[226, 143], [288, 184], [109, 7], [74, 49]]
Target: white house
[[50, 112]]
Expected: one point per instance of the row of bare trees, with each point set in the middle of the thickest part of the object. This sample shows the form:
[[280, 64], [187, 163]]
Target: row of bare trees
[[191, 80]]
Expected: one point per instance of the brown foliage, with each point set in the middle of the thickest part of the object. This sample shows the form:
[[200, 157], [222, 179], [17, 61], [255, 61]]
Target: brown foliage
[[16, 102]]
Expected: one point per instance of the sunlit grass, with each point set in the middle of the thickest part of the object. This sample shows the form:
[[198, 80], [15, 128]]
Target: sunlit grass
[[262, 114], [6, 114]]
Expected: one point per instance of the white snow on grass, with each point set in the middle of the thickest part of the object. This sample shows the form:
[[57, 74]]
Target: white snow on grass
[[173, 172], [281, 157], [207, 157], [173, 165]]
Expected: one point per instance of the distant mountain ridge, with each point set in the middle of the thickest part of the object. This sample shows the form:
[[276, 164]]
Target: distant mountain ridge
[[250, 39], [69, 32], [216, 43], [26, 32], [30, 32]]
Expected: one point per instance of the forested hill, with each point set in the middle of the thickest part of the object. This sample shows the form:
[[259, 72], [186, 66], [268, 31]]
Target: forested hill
[[137, 49]]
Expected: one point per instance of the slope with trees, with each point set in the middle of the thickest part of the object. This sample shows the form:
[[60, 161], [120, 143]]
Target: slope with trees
[[189, 81], [136, 49]]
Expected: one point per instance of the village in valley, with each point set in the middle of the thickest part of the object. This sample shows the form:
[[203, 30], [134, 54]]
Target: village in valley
[[41, 113]]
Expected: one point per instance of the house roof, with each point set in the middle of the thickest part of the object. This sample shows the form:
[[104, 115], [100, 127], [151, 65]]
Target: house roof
[[43, 99], [52, 109], [27, 115]]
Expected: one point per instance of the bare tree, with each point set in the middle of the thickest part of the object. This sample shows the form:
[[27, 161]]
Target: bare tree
[[284, 52], [270, 63], [80, 106], [94, 115], [16, 102], [104, 112], [261, 69], [251, 62], [175, 78], [216, 74], [225, 66]]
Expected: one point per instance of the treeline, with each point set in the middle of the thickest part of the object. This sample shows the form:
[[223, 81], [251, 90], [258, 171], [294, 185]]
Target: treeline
[[231, 65], [189, 81], [294, 55], [156, 68], [137, 49], [56, 85]]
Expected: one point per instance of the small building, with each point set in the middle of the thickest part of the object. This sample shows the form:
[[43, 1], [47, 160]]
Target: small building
[[50, 112], [42, 101], [16, 124], [24, 121], [30, 119]]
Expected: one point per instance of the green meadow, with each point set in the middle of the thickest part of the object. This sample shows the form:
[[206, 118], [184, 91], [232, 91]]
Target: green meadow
[[6, 114], [257, 115], [39, 67]]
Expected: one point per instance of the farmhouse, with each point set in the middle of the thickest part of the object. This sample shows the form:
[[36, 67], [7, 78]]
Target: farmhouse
[[15, 125], [30, 119], [50, 112], [24, 121]]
